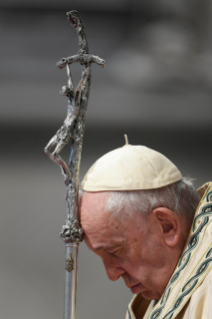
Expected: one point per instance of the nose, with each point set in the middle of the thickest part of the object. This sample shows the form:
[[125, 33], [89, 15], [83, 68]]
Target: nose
[[113, 270]]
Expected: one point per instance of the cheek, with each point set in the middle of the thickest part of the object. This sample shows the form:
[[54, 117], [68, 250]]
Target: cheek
[[140, 261], [148, 254], [135, 255]]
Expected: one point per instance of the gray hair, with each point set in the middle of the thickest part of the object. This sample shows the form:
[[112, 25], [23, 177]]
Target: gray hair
[[181, 197]]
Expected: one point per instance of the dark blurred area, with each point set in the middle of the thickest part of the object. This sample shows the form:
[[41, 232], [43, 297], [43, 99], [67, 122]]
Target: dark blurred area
[[156, 88]]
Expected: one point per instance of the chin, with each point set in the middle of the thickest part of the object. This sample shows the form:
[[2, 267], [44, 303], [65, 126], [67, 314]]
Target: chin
[[150, 295]]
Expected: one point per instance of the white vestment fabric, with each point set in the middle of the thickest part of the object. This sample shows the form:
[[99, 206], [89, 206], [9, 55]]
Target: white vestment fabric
[[188, 294]]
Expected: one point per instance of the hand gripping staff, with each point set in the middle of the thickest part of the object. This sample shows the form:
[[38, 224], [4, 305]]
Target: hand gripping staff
[[72, 131]]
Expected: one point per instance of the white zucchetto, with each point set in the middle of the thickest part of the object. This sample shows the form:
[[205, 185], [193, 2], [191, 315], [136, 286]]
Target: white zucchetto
[[130, 168]]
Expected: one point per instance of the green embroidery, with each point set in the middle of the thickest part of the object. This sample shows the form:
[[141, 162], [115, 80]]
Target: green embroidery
[[200, 221], [189, 286], [209, 197], [209, 253]]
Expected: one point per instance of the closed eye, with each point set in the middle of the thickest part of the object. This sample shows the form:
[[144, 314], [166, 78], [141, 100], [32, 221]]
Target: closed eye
[[114, 252]]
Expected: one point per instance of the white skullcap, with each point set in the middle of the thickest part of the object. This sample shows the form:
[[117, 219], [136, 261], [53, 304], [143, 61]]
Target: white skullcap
[[130, 168]]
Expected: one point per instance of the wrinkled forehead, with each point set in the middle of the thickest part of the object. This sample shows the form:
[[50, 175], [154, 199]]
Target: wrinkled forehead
[[93, 212], [102, 227], [99, 225]]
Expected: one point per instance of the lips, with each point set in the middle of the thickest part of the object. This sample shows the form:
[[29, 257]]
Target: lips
[[136, 289]]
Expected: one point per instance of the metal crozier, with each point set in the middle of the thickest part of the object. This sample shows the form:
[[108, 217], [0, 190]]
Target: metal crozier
[[72, 132]]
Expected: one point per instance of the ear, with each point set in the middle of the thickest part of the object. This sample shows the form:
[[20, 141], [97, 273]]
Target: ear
[[169, 224]]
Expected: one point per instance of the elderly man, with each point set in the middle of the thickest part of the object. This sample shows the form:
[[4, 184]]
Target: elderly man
[[150, 227]]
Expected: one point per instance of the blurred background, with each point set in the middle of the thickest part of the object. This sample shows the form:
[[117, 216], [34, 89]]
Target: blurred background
[[156, 88]]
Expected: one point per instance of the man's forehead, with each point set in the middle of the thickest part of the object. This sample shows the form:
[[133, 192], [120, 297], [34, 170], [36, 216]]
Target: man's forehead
[[93, 202], [95, 217], [92, 197], [92, 208]]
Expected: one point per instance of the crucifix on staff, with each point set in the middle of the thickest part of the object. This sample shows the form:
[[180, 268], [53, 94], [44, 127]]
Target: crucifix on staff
[[72, 132]]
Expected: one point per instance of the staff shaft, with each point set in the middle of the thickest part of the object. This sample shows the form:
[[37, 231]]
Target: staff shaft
[[71, 281]]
